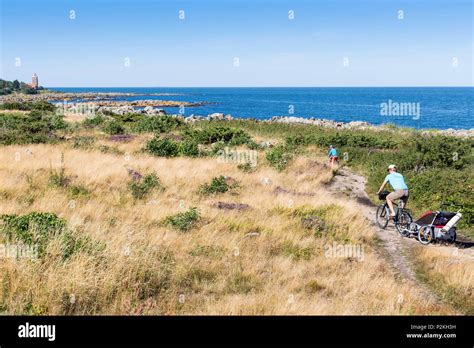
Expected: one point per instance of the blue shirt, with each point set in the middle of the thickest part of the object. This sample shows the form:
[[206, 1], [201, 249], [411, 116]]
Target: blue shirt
[[397, 181], [333, 152]]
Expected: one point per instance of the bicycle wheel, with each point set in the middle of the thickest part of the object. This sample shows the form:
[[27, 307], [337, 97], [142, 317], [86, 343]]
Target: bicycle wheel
[[425, 235], [403, 222], [381, 216]]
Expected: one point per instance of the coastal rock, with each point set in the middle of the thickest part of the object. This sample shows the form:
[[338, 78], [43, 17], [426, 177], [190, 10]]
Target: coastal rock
[[194, 118], [216, 116], [150, 110], [321, 122]]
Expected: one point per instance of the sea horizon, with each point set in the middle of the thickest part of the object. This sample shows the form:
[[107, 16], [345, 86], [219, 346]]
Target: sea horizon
[[429, 107]]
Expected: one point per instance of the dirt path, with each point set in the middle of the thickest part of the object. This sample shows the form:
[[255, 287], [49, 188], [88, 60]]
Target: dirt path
[[395, 247]]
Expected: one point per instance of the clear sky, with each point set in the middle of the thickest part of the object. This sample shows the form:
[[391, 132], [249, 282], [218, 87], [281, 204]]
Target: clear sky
[[432, 45]]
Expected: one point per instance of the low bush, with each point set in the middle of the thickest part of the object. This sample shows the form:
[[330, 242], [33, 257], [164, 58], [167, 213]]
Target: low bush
[[162, 147], [94, 121], [32, 128], [213, 134], [113, 127], [217, 185], [188, 148], [141, 188], [280, 156], [33, 229], [184, 221], [40, 105], [158, 124]]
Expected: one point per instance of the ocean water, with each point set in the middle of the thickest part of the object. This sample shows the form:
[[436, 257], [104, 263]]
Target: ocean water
[[429, 107]]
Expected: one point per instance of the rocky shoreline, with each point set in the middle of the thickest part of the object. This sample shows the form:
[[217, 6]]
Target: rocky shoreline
[[355, 125], [364, 125], [91, 103], [99, 99]]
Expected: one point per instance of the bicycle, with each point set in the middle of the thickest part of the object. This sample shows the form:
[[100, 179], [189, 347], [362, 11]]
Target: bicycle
[[402, 219]]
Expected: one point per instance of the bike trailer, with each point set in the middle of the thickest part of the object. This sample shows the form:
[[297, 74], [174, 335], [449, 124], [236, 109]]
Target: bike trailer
[[442, 223]]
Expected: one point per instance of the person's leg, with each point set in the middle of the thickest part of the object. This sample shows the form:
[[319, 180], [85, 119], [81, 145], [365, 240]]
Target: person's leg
[[391, 197], [390, 205]]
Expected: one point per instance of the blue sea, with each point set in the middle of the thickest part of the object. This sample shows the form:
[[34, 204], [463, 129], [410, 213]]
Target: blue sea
[[430, 107]]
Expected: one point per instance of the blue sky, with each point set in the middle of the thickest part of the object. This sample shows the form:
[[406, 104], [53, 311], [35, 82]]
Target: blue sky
[[431, 46]]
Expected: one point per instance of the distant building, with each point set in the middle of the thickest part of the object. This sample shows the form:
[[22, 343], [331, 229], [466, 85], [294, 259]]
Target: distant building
[[34, 81]]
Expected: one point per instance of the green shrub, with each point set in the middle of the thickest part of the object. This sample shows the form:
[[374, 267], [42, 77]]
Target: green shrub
[[40, 105], [32, 128], [34, 229], [188, 148], [158, 124], [184, 221], [210, 135], [113, 127], [279, 157], [162, 147], [94, 121], [127, 118], [217, 185], [142, 187]]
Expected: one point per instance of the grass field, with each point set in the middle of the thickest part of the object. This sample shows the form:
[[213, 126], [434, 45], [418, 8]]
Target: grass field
[[135, 225]]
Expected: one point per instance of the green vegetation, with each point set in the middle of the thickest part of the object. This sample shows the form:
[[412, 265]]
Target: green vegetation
[[158, 124], [280, 156], [184, 221], [9, 87], [162, 147], [142, 187], [219, 184], [33, 229], [213, 134], [40, 105], [30, 128]]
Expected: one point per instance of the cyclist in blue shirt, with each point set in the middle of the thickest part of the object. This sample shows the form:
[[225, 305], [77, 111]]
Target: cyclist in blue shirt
[[332, 154], [397, 181]]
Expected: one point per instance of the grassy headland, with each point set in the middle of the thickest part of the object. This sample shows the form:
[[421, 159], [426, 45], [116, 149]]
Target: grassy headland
[[136, 214]]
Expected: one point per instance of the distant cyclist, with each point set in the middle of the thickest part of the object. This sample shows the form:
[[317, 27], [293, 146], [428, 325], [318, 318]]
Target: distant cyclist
[[400, 188], [332, 154]]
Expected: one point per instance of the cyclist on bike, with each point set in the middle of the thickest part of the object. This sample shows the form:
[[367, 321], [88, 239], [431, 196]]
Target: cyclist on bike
[[400, 188]]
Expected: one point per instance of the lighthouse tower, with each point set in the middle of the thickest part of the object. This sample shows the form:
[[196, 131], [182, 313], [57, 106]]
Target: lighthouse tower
[[34, 81]]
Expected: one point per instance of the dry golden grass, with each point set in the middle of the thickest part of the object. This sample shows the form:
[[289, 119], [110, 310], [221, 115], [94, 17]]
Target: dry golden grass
[[449, 273], [218, 267]]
